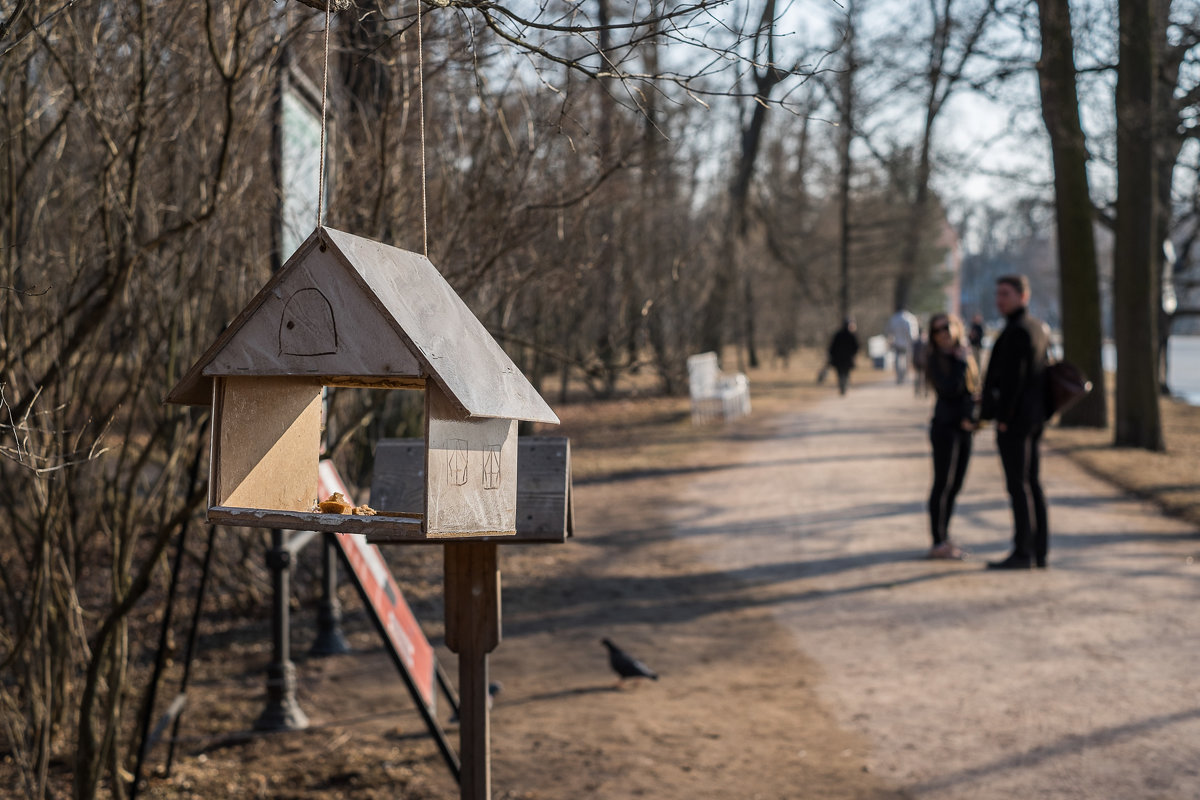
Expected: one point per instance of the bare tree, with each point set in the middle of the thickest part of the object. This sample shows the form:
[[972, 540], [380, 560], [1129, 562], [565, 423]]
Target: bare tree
[[1135, 269], [847, 121], [766, 75], [1080, 281], [949, 57]]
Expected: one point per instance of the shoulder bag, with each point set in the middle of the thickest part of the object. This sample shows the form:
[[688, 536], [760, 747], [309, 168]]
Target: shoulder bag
[[1066, 385]]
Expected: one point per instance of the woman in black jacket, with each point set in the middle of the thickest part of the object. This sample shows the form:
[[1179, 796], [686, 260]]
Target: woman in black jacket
[[954, 376]]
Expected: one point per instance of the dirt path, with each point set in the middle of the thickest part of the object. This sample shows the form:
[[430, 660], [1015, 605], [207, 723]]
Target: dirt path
[[1078, 681], [736, 712], [771, 571]]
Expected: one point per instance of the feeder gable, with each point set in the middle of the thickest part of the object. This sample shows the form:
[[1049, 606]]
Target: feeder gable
[[316, 320], [358, 308]]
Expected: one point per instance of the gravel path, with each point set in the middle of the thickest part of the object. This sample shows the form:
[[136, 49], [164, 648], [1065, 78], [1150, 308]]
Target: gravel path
[[1074, 682]]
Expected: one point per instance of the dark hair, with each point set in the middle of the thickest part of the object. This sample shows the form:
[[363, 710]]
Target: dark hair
[[1018, 282]]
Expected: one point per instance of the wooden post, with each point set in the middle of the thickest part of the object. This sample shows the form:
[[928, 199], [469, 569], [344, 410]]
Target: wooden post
[[473, 631]]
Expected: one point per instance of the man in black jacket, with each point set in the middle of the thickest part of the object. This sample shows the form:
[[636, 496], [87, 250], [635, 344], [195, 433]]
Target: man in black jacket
[[843, 347], [1013, 396]]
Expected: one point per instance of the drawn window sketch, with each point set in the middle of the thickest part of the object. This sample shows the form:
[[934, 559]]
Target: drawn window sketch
[[307, 327], [457, 461], [491, 466]]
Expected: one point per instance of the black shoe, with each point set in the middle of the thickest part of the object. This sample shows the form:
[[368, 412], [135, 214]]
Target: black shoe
[[1040, 562], [1014, 561]]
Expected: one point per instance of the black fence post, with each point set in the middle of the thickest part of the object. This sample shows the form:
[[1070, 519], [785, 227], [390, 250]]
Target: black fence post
[[330, 639], [282, 712]]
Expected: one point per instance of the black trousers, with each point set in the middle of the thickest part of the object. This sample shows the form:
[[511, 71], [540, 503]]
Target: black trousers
[[951, 453], [1019, 455], [843, 379]]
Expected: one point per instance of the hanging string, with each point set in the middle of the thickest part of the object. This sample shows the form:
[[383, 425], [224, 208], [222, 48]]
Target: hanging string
[[324, 103], [421, 110]]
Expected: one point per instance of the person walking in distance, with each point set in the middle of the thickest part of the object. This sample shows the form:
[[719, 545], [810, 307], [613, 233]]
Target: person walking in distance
[[975, 338], [920, 355], [902, 330], [954, 376], [1013, 396], [843, 347]]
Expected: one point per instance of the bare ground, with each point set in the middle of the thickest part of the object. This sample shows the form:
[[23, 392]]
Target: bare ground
[[805, 649]]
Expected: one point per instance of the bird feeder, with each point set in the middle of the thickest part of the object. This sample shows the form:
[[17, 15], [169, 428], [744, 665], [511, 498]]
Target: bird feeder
[[346, 311], [350, 312]]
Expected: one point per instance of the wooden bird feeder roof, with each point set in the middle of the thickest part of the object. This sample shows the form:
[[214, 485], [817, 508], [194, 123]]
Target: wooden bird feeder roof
[[351, 311]]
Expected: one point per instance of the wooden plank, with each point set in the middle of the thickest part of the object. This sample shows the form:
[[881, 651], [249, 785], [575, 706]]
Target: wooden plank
[[317, 321], [470, 471], [377, 529], [472, 597], [408, 527], [398, 479], [543, 479], [368, 382], [267, 434], [544, 498], [452, 343], [472, 592], [214, 439]]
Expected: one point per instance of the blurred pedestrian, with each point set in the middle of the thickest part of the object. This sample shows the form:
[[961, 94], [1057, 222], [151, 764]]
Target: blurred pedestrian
[[975, 337], [902, 330], [1013, 396], [920, 354], [843, 347], [954, 376]]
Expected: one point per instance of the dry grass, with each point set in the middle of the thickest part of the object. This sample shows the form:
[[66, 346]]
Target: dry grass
[[1171, 479]]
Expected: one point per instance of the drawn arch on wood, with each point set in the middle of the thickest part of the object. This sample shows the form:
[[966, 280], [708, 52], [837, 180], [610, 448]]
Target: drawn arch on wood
[[307, 326]]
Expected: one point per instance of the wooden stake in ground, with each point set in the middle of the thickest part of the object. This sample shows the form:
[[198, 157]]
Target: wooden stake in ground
[[472, 631]]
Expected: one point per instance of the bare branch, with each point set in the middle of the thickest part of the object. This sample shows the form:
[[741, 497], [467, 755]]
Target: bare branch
[[26, 292]]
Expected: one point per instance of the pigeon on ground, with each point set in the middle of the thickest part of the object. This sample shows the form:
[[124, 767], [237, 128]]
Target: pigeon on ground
[[494, 688], [626, 665]]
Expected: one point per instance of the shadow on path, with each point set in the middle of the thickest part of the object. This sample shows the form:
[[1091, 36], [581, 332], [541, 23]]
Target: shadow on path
[[1068, 745]]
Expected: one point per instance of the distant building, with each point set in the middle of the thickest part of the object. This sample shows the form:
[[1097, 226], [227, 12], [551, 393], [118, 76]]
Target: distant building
[[1185, 280]]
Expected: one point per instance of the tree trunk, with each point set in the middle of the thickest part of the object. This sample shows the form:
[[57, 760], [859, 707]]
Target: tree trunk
[[739, 197], [1135, 277], [845, 167], [918, 213], [607, 346], [1079, 281]]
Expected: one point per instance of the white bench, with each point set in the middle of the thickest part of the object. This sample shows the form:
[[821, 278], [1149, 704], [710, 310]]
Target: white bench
[[714, 394], [879, 351]]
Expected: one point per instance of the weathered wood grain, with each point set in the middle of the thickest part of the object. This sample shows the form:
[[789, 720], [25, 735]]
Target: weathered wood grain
[[408, 528], [470, 470], [344, 306], [317, 321], [544, 497], [453, 344], [472, 592], [266, 441]]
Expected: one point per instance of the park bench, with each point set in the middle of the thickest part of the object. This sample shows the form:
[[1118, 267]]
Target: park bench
[[713, 393], [878, 351]]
